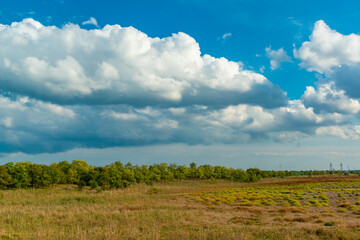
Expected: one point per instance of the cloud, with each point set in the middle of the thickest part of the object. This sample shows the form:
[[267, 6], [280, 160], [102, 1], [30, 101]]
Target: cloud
[[262, 69], [91, 21], [308, 154], [116, 65], [226, 36], [345, 132], [295, 22], [327, 98], [337, 57], [6, 122], [254, 122], [328, 49], [33, 126], [66, 88], [277, 57], [347, 77]]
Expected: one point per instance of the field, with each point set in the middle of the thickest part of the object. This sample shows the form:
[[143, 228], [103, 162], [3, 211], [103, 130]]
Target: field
[[323, 207]]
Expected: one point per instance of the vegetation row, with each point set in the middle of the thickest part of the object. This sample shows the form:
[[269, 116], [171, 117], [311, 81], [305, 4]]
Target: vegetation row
[[117, 175]]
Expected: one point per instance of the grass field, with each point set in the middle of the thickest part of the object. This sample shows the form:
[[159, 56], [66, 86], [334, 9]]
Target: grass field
[[290, 208]]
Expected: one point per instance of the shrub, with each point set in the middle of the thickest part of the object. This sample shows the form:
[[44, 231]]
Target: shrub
[[329, 224]]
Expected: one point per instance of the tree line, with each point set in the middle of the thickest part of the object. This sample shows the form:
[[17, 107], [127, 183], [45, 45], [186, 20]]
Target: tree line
[[118, 175]]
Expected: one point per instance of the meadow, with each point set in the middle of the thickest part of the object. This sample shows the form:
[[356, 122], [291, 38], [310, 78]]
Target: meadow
[[317, 207]]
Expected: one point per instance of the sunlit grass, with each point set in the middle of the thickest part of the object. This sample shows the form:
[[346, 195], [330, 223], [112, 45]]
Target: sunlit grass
[[308, 195], [184, 210]]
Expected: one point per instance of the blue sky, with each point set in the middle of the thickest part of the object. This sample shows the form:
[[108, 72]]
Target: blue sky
[[254, 25], [254, 83]]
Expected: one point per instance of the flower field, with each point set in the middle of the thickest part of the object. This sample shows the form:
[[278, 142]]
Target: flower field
[[342, 195]]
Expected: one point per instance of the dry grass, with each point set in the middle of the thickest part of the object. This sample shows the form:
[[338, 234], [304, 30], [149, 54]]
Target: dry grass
[[163, 212]]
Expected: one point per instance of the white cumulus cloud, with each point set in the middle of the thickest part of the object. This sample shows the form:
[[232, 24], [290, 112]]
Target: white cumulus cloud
[[277, 57], [328, 98], [65, 88], [118, 65], [328, 48]]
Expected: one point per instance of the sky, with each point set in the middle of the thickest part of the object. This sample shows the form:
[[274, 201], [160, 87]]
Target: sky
[[266, 84]]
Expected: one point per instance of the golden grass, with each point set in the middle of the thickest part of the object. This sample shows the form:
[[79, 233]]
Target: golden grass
[[163, 211]]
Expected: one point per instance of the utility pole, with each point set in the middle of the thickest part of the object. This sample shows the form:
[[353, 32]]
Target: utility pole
[[341, 167], [331, 167]]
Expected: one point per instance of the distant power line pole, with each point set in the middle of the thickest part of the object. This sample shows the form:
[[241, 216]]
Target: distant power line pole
[[341, 167], [331, 167]]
